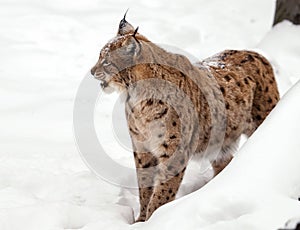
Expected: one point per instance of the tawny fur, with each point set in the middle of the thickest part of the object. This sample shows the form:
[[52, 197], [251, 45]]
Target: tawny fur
[[231, 94]]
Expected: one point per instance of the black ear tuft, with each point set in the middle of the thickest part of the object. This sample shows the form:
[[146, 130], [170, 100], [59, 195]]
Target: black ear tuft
[[135, 32], [125, 15], [124, 26], [123, 22]]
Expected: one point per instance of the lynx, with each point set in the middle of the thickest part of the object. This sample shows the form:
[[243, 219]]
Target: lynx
[[176, 109]]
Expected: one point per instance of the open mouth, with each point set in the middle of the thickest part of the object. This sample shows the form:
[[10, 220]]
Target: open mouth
[[103, 84]]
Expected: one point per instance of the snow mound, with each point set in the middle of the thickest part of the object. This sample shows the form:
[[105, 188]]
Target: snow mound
[[258, 190], [282, 47]]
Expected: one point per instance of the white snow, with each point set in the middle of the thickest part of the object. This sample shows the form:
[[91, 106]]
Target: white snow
[[46, 49]]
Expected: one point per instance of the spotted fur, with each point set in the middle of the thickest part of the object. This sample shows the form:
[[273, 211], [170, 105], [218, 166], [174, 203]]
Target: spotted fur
[[231, 93]]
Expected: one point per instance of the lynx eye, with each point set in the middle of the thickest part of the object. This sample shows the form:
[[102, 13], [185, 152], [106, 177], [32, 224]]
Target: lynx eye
[[106, 64], [109, 67], [102, 61]]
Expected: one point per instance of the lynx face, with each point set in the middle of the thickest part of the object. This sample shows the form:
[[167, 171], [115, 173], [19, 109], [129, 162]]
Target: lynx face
[[116, 56]]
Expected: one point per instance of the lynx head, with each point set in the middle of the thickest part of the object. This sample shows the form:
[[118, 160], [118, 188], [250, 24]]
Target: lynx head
[[119, 54]]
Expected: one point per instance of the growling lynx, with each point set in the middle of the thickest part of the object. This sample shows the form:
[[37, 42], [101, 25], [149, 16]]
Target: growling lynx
[[176, 109]]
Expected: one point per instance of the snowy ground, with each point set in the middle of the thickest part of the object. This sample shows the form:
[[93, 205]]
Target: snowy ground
[[46, 49]]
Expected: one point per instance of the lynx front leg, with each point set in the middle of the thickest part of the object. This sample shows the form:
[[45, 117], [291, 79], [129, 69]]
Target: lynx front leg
[[164, 190], [145, 163]]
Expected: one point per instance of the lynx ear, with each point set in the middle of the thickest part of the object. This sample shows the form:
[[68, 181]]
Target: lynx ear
[[124, 26], [133, 47]]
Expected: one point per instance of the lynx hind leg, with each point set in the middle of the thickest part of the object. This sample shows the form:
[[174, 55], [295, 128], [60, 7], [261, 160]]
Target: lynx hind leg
[[224, 157], [219, 164], [266, 94], [145, 179]]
